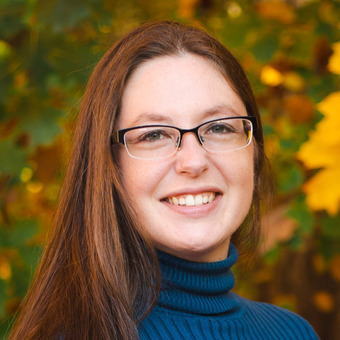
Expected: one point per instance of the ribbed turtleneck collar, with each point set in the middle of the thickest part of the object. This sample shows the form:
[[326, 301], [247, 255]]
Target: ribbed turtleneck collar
[[199, 288]]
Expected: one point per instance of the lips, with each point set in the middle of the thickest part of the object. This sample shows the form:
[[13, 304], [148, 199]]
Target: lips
[[192, 200]]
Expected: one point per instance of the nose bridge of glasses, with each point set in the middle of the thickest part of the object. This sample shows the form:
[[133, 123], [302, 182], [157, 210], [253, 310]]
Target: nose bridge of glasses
[[185, 131]]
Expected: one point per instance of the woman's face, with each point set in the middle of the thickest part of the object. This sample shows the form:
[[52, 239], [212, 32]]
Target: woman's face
[[185, 91]]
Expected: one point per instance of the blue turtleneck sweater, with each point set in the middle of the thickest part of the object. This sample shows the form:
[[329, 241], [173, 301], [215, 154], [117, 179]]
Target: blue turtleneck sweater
[[196, 303]]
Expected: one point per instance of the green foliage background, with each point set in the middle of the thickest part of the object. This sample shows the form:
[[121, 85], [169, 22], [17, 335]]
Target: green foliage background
[[47, 52]]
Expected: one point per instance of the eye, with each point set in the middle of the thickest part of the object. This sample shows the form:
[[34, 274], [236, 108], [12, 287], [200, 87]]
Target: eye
[[219, 128], [153, 136]]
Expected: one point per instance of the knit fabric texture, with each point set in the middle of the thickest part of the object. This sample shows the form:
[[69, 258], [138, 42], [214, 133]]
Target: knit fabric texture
[[196, 303]]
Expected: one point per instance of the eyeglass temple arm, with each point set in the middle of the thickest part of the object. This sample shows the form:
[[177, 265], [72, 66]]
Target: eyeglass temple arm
[[117, 137]]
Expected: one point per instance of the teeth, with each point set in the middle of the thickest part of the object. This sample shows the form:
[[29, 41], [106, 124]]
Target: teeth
[[192, 200], [198, 200]]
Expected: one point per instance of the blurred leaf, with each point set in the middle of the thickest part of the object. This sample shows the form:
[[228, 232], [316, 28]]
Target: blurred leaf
[[270, 76], [319, 88], [22, 232], [295, 242], [329, 245], [302, 44], [321, 53], [324, 301], [21, 277], [5, 81], [331, 226], [4, 327], [322, 150], [19, 234], [272, 255], [31, 256], [235, 33], [325, 29], [10, 10], [42, 128], [334, 61], [303, 216], [268, 129], [290, 179], [300, 108], [334, 267], [265, 48], [274, 10], [293, 82], [62, 14], [12, 158], [2, 298], [323, 191], [3, 237]]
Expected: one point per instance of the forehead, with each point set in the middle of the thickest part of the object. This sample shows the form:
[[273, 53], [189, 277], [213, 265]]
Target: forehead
[[177, 88]]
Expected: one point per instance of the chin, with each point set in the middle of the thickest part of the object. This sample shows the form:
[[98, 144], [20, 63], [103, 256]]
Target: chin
[[198, 251]]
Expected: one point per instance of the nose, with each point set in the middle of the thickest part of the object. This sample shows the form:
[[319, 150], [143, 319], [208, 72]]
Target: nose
[[191, 157]]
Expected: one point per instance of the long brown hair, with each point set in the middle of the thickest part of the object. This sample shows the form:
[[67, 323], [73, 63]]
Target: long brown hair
[[98, 276]]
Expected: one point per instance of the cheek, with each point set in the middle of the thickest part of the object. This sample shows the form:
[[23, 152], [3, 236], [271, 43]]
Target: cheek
[[127, 169], [131, 175], [140, 178], [243, 183], [238, 169]]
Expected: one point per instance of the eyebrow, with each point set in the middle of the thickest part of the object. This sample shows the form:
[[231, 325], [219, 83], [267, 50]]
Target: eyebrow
[[225, 109], [149, 117]]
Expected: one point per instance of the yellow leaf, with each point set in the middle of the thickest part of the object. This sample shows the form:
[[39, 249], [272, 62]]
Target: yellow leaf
[[334, 60], [329, 106], [321, 150], [34, 187], [234, 9], [277, 10], [323, 190], [270, 76], [5, 269], [323, 301], [319, 264], [186, 8], [293, 82], [323, 147], [5, 49], [26, 174]]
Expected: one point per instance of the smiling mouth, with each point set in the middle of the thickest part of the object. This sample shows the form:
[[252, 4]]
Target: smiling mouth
[[192, 200]]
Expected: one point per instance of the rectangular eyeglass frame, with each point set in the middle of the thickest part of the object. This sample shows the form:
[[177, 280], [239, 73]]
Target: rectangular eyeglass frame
[[118, 136]]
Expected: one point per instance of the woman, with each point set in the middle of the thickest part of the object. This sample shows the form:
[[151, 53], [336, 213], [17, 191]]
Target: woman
[[167, 167]]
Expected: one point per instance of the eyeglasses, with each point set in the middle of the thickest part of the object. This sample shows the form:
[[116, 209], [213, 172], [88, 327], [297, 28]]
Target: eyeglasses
[[160, 141]]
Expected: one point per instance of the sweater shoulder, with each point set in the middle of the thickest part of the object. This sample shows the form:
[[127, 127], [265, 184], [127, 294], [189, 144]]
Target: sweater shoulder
[[254, 320], [279, 316]]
